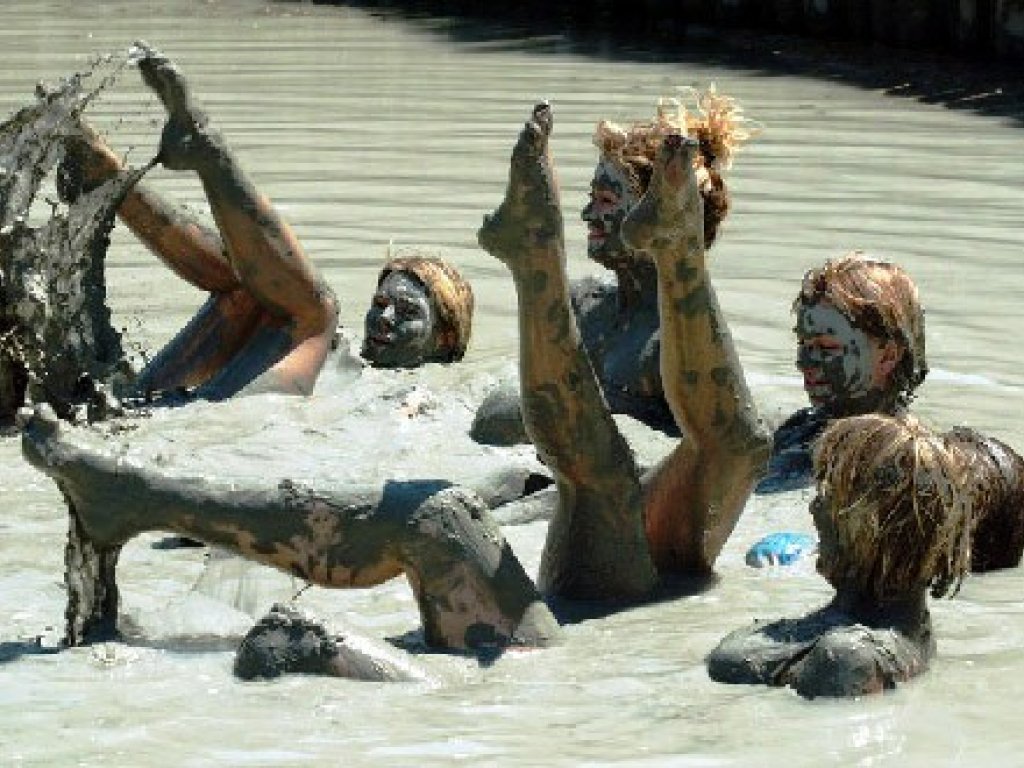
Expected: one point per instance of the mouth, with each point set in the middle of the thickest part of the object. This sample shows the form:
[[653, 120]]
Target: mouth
[[817, 388], [596, 234]]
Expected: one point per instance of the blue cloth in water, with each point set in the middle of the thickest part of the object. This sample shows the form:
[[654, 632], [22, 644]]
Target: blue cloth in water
[[782, 548]]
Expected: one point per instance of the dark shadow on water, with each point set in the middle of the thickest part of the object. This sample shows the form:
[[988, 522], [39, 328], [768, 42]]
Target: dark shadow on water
[[956, 82], [570, 612], [12, 650]]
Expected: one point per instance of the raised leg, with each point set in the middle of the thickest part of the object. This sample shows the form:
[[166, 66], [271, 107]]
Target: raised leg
[[472, 592], [300, 312], [694, 498], [596, 547]]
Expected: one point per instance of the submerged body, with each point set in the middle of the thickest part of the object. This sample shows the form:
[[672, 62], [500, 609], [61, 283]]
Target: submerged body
[[471, 591], [896, 510]]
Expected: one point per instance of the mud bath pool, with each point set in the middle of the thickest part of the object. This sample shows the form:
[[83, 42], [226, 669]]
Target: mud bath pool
[[365, 130]]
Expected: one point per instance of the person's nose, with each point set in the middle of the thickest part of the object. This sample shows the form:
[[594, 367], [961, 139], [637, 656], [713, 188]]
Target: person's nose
[[588, 211]]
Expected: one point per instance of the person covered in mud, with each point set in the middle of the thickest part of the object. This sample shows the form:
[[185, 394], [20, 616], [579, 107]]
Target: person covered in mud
[[270, 320], [618, 319], [900, 511], [860, 349], [421, 311], [615, 535]]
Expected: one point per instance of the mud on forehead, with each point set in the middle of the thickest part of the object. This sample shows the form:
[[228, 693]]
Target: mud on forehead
[[823, 319], [610, 174]]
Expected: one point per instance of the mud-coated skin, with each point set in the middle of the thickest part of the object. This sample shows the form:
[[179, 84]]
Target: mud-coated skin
[[836, 651], [597, 545], [287, 641], [399, 325], [471, 590], [791, 465], [270, 318], [624, 346]]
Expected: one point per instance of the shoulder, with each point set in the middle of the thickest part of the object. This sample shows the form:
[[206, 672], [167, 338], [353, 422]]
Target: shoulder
[[790, 465]]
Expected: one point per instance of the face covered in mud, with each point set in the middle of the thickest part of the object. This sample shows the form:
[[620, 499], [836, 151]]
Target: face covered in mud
[[840, 363], [399, 326], [611, 198]]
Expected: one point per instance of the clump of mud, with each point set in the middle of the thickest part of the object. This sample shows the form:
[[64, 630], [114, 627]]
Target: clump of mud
[[57, 343]]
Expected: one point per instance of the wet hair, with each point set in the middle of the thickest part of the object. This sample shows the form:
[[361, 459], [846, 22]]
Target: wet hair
[[879, 298], [716, 122], [451, 296], [998, 489], [901, 500]]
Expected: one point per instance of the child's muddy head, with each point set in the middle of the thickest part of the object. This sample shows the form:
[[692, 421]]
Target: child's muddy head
[[422, 311], [893, 508], [863, 316]]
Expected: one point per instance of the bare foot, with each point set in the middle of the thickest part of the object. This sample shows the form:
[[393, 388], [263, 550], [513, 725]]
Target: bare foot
[[186, 142], [671, 209], [529, 216], [84, 471]]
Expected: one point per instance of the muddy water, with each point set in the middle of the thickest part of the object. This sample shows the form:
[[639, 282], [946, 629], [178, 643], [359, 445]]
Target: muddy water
[[366, 131]]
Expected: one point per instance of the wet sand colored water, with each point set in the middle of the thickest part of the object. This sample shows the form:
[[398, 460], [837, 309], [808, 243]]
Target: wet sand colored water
[[363, 130]]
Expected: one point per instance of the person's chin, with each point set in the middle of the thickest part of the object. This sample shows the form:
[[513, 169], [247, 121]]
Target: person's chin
[[819, 399], [386, 355], [609, 258]]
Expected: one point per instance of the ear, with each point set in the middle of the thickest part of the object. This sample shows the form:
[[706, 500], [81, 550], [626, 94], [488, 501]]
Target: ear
[[886, 363]]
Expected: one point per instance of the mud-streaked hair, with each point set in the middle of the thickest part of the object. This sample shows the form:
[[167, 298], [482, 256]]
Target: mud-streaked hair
[[879, 298], [715, 121], [902, 503], [450, 293]]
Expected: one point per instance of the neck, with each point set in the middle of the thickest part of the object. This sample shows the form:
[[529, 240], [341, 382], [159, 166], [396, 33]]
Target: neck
[[907, 613], [638, 284], [873, 401]]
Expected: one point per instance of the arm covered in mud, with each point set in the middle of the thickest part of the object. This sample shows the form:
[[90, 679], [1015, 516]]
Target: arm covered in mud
[[695, 496]]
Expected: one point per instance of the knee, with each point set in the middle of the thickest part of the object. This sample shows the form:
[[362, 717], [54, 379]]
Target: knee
[[325, 310], [454, 523]]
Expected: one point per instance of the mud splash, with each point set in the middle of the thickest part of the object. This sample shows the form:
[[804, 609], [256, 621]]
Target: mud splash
[[57, 344]]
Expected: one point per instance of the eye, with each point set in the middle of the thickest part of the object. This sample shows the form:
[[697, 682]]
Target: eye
[[821, 345], [407, 310]]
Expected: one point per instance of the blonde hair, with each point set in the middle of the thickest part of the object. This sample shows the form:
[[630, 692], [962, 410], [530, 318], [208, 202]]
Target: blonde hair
[[450, 293], [900, 498], [879, 298], [718, 124]]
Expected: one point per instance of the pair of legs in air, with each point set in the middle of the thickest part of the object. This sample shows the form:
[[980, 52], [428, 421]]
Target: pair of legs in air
[[270, 319], [615, 534]]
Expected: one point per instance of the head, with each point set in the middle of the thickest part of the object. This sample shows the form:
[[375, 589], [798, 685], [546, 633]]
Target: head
[[893, 508], [860, 336], [422, 311], [627, 157]]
